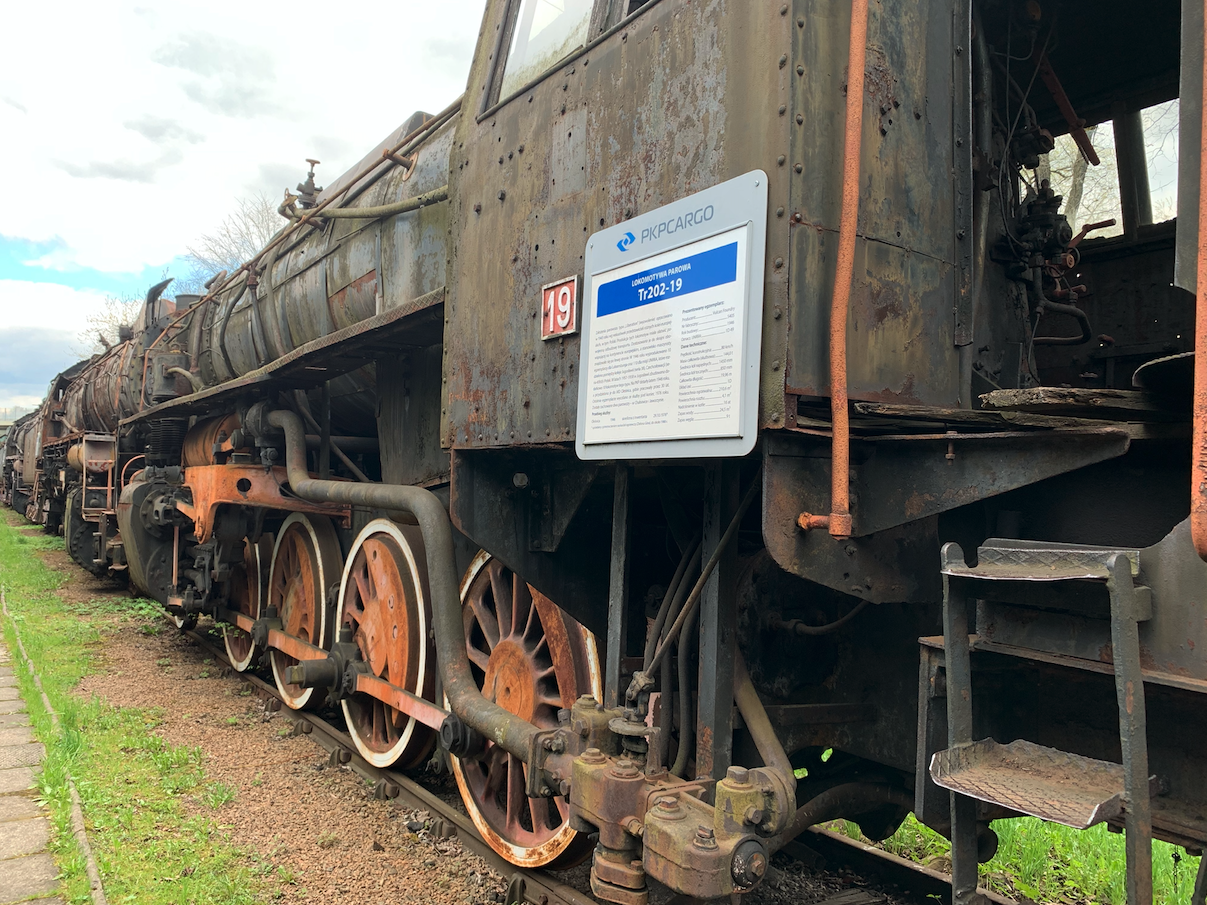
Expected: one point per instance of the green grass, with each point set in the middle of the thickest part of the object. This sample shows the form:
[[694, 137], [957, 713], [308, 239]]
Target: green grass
[[137, 790], [1047, 862]]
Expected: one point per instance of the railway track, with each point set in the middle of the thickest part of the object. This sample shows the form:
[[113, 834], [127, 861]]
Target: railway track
[[816, 848], [538, 887]]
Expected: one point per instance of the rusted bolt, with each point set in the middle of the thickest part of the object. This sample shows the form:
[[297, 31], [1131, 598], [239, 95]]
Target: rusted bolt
[[781, 160], [800, 119], [800, 70], [960, 234], [667, 803], [797, 216], [775, 365], [502, 194], [779, 262], [704, 838], [778, 313], [800, 22], [779, 212], [478, 208], [593, 756], [563, 788], [634, 827], [625, 768], [783, 61], [520, 149], [783, 109], [784, 10], [345, 756], [738, 775], [754, 816]]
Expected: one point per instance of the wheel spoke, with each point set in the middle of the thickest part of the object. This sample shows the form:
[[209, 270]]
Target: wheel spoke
[[479, 658], [487, 621], [515, 790], [500, 588]]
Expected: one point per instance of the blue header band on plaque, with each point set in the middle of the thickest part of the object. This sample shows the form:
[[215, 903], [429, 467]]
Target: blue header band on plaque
[[691, 274]]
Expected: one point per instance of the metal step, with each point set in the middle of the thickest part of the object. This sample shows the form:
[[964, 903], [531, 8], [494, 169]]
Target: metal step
[[1003, 559], [1032, 779]]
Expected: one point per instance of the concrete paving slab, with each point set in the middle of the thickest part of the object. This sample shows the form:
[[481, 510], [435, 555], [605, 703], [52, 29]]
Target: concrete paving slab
[[13, 719], [16, 779], [32, 875], [18, 807], [8, 681], [5, 670], [21, 755], [24, 837], [16, 735], [9, 694], [12, 706]]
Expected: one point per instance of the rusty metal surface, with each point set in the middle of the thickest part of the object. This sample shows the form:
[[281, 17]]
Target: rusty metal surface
[[416, 322], [341, 275], [533, 179], [212, 486], [895, 483], [900, 327], [1032, 779]]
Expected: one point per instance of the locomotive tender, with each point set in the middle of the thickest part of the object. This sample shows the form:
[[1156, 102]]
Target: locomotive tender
[[714, 386]]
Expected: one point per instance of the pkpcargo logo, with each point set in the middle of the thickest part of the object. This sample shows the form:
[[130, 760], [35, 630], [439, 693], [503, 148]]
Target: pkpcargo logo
[[668, 227]]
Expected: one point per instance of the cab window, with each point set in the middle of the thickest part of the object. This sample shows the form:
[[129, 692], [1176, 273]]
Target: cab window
[[546, 31]]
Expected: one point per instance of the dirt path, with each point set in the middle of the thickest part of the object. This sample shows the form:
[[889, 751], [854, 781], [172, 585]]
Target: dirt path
[[332, 842]]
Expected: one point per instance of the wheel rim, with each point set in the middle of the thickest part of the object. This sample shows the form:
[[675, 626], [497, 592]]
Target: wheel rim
[[248, 582], [305, 560], [383, 600], [532, 659]]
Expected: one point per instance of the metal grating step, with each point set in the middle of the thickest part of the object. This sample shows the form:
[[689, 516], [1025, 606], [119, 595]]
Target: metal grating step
[[1002, 559], [1032, 779]]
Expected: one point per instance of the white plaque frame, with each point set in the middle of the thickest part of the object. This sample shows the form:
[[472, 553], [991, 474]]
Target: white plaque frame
[[657, 350]]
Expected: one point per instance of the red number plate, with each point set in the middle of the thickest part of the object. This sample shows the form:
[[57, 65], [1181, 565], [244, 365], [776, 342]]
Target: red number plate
[[559, 308]]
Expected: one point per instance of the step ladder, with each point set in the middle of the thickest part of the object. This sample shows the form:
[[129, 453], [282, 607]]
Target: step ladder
[[1044, 782]]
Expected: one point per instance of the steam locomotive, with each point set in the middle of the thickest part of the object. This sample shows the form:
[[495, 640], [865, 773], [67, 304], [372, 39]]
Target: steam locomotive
[[724, 417]]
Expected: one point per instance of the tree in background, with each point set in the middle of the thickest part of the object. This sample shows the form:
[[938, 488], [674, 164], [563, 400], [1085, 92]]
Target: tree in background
[[243, 233], [104, 325]]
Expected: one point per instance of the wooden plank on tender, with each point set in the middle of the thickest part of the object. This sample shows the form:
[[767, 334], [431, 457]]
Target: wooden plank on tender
[[1108, 404]]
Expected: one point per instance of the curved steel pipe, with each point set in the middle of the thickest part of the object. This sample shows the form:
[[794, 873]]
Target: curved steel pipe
[[850, 798], [758, 724], [371, 213], [505, 729]]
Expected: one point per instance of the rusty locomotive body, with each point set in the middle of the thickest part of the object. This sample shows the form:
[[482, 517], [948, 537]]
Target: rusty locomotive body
[[438, 454]]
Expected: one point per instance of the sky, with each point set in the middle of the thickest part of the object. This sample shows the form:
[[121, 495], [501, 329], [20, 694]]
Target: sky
[[129, 130]]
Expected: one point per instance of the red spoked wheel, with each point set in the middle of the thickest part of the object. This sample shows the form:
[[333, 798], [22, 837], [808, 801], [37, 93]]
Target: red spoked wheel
[[305, 562], [248, 584], [384, 600], [532, 659]]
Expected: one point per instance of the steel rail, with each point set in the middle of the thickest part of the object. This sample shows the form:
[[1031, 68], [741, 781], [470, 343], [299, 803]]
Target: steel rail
[[541, 884], [814, 843]]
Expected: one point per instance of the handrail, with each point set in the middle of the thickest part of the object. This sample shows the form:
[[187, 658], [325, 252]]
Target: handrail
[[1198, 445], [839, 519]]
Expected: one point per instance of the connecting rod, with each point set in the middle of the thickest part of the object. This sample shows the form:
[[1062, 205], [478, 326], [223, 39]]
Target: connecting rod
[[508, 731]]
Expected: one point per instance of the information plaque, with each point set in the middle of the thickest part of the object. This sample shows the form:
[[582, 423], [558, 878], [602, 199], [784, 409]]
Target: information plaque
[[672, 328]]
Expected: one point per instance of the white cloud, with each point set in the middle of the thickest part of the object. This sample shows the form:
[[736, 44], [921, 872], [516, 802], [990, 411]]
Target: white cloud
[[28, 304], [135, 128]]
